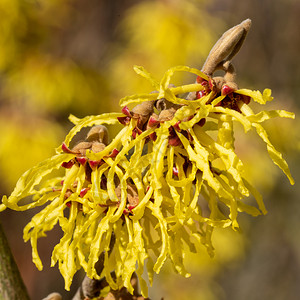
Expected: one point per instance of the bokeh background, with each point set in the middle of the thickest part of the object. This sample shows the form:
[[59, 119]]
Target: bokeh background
[[64, 57]]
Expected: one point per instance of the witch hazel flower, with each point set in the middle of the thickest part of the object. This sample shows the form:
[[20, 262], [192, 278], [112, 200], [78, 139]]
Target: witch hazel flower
[[159, 187]]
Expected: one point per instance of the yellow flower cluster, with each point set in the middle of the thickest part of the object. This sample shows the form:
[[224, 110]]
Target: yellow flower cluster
[[156, 190]]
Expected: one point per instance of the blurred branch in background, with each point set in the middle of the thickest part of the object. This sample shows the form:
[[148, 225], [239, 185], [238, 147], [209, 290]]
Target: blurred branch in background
[[11, 283], [62, 57]]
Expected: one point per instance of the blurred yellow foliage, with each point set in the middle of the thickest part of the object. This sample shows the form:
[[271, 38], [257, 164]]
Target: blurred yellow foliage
[[46, 84], [38, 84], [21, 143], [159, 35]]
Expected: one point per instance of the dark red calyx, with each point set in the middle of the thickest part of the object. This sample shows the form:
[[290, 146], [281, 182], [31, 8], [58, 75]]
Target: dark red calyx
[[153, 136], [136, 131], [152, 122], [199, 79], [82, 160], [131, 207], [200, 94], [114, 153], [65, 148], [176, 126], [125, 212], [126, 111], [226, 90], [69, 203], [211, 84], [175, 171], [68, 165], [95, 163], [174, 141], [205, 84], [124, 120], [83, 192]]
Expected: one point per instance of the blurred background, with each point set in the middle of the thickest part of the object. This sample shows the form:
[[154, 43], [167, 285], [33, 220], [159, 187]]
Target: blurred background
[[64, 57]]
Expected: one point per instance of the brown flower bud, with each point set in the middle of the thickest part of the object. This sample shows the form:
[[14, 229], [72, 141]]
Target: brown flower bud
[[97, 147], [226, 47], [167, 114], [81, 147], [98, 133]]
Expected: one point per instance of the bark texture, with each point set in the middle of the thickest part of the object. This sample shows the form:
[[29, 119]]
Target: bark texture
[[11, 284]]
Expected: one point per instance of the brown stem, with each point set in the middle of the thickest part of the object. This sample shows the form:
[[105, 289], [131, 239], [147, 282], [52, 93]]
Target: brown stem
[[11, 284], [229, 70]]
